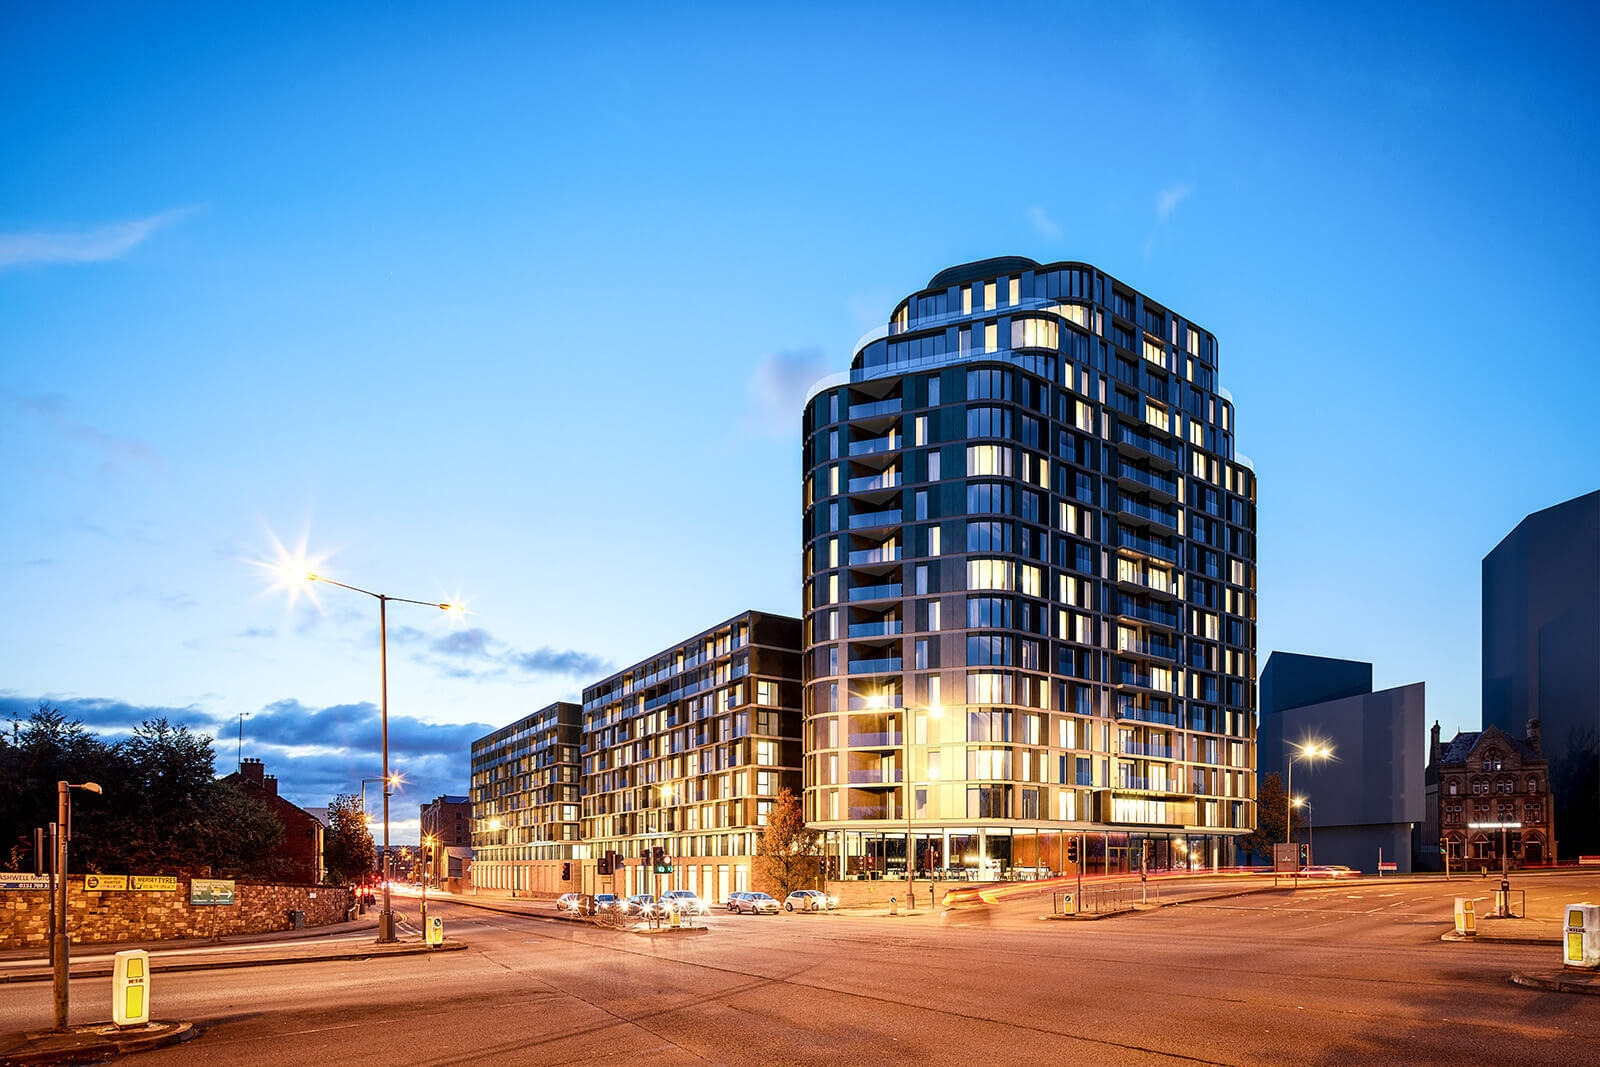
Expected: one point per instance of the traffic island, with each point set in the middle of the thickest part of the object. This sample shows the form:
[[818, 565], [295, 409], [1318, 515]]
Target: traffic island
[[86, 1044], [1513, 931], [268, 954], [1564, 980]]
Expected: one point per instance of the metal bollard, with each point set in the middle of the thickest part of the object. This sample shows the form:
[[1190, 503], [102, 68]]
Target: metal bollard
[[130, 988]]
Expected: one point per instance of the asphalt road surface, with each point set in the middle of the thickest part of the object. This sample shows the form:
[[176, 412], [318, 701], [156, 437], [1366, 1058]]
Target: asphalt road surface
[[1337, 975]]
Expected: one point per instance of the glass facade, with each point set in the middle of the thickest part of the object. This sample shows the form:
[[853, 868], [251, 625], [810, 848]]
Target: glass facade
[[525, 797], [1030, 590], [688, 750]]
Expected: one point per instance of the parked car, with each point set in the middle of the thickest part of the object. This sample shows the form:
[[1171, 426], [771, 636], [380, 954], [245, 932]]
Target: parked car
[[642, 904], [604, 902], [684, 902], [569, 902], [754, 903], [809, 900]]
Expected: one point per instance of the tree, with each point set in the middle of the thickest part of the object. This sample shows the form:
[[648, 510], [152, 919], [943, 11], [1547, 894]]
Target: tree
[[348, 851], [1270, 799], [790, 853]]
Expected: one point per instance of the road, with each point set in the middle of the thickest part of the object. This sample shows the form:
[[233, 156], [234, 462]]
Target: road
[[1336, 975]]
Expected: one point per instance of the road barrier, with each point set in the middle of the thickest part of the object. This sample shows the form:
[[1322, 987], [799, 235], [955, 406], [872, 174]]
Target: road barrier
[[130, 987], [1466, 917], [1580, 940]]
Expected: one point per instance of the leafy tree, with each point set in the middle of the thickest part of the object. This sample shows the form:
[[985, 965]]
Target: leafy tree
[[1270, 800], [790, 853], [348, 851]]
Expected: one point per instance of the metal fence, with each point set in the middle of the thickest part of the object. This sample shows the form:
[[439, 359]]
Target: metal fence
[[1107, 898]]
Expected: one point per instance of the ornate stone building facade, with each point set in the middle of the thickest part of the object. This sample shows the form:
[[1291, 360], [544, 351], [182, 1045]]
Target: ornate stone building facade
[[1488, 777]]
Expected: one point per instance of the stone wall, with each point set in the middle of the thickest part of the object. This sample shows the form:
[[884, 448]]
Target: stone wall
[[97, 917]]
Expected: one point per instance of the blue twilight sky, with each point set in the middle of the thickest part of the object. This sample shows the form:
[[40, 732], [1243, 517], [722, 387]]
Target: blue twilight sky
[[516, 303]]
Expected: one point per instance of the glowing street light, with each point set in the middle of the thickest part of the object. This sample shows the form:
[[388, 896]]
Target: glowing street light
[[296, 571], [1310, 752]]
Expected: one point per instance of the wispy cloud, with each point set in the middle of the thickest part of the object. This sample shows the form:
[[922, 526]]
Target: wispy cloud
[[778, 390], [96, 245], [476, 653], [1169, 198], [114, 451], [1042, 222], [1167, 201]]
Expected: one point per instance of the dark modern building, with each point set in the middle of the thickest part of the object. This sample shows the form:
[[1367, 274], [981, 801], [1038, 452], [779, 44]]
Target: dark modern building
[[524, 797], [446, 823], [300, 853], [1369, 796], [687, 751], [1488, 776], [1030, 588], [1541, 654]]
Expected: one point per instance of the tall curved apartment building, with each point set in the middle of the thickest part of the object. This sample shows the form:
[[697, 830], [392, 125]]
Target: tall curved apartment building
[[1030, 588]]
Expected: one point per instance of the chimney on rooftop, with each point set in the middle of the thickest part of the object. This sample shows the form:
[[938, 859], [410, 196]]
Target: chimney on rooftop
[[252, 771], [272, 784]]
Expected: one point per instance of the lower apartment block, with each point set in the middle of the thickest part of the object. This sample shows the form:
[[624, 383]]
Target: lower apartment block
[[687, 750], [525, 803]]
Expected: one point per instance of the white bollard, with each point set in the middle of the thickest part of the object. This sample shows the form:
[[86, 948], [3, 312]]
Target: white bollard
[[1580, 936], [1466, 917], [130, 988]]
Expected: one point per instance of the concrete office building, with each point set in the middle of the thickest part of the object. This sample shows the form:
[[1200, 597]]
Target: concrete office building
[[524, 796], [687, 750], [1541, 655], [1030, 585], [1370, 795]]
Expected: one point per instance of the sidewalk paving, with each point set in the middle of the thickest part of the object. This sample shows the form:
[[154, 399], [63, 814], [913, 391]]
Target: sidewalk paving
[[89, 1044], [1512, 931], [369, 922]]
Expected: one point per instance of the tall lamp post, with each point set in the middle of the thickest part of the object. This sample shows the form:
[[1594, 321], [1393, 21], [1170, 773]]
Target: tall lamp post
[[63, 835], [386, 914], [1308, 753]]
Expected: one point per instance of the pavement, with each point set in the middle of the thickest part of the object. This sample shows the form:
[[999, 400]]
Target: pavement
[[1341, 974]]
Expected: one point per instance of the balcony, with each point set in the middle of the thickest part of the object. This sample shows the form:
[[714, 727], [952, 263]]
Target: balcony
[[882, 628], [1149, 445], [1156, 582], [883, 739], [1145, 713], [1149, 650], [1147, 546], [881, 407], [888, 591], [1129, 609], [1127, 506], [866, 557], [1131, 781], [883, 665], [1143, 680], [876, 446], [889, 479], [1149, 479], [875, 777], [1139, 748], [865, 520]]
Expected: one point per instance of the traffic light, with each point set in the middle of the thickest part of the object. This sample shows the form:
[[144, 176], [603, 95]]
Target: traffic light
[[566, 872], [1072, 850], [660, 861]]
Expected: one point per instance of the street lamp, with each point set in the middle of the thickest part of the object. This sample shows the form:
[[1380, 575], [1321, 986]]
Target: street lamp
[[63, 834], [1309, 753], [386, 914]]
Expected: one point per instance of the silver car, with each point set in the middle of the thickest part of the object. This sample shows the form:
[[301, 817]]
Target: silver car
[[754, 903], [642, 904], [809, 900], [684, 902]]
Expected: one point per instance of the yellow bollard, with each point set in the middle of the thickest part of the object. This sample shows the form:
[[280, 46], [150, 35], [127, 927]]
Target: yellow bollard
[[435, 932], [1580, 943], [1466, 917], [130, 988]]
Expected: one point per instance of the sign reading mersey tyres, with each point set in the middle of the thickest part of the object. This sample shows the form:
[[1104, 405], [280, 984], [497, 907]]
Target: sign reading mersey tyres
[[157, 882], [210, 891]]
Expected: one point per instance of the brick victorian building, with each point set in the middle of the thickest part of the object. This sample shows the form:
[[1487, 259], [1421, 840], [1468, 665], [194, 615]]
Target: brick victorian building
[[300, 852], [1488, 776]]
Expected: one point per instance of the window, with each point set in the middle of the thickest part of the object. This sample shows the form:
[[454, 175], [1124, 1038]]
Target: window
[[986, 536], [1035, 333], [933, 391], [992, 384], [988, 422], [766, 693], [989, 574], [988, 296], [987, 498], [1016, 291], [767, 753]]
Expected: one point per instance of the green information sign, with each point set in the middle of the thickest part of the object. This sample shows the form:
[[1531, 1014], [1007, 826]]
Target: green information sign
[[211, 891]]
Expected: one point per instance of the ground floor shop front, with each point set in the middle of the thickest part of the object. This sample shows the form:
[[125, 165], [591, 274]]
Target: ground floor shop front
[[983, 853]]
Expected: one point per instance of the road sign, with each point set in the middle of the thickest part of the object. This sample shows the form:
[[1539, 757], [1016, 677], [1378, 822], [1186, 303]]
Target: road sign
[[105, 883], [24, 880], [157, 883], [211, 891], [1285, 859], [1388, 867]]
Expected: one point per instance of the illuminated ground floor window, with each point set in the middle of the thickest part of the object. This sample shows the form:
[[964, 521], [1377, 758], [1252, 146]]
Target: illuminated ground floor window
[[1019, 854]]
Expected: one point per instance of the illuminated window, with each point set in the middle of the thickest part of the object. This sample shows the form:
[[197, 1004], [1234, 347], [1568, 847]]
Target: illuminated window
[[966, 300], [991, 335], [1157, 416], [1074, 313], [933, 540], [1153, 353], [988, 296], [1016, 291], [989, 574], [767, 753], [766, 693], [1034, 333], [988, 460]]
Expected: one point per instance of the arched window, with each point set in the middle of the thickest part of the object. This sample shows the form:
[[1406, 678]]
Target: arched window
[[1533, 785]]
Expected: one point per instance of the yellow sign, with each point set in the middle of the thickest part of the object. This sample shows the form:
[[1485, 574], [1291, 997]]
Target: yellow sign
[[156, 882], [130, 988], [105, 883]]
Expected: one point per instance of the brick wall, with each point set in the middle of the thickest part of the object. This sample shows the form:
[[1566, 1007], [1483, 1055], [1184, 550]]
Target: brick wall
[[98, 917]]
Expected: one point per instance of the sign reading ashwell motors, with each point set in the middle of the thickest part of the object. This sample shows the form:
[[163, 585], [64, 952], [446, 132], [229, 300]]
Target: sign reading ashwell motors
[[24, 880], [211, 891]]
